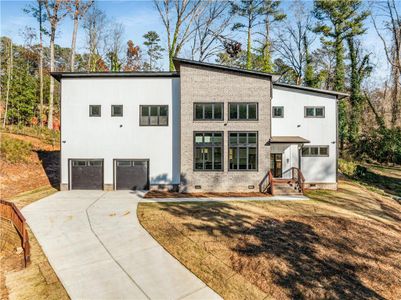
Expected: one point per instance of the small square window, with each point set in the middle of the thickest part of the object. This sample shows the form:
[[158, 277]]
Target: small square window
[[95, 110], [309, 112], [278, 112], [116, 110], [319, 112], [324, 151]]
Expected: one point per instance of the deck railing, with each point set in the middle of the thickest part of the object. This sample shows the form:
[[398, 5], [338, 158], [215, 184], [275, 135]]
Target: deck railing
[[268, 181], [9, 211]]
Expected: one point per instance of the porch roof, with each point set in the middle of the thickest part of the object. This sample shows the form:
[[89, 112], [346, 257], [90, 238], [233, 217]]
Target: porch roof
[[288, 140]]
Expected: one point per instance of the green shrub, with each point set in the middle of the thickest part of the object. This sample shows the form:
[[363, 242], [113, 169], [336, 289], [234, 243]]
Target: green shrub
[[348, 168], [45, 134], [15, 151]]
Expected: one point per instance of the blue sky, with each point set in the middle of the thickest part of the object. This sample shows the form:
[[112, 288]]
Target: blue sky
[[138, 17]]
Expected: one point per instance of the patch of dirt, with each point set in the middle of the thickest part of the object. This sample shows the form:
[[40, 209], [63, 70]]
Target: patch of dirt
[[167, 194], [43, 169]]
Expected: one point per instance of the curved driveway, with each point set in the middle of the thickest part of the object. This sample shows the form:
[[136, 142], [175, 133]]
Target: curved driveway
[[98, 249]]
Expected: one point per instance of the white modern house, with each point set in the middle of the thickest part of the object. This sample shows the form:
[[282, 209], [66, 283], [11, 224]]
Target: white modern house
[[205, 127]]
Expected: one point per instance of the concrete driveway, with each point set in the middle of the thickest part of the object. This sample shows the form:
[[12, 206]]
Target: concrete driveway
[[98, 249]]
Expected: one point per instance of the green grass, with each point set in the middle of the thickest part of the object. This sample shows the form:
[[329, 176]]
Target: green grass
[[48, 136], [15, 151]]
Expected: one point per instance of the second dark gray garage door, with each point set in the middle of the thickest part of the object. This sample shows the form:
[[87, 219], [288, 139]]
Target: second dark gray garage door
[[132, 174]]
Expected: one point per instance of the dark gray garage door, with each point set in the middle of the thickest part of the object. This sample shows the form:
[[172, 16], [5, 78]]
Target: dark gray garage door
[[132, 174], [86, 174]]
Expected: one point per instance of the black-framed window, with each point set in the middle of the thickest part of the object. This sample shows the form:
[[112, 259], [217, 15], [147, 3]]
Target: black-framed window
[[208, 151], [315, 151], [153, 115], [243, 111], [116, 110], [208, 111], [278, 111], [314, 111], [95, 110], [243, 151]]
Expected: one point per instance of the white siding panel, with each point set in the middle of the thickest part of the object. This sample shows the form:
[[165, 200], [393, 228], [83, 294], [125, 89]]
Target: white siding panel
[[120, 137]]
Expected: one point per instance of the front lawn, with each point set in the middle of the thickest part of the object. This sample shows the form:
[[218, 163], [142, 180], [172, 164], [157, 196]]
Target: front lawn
[[344, 244]]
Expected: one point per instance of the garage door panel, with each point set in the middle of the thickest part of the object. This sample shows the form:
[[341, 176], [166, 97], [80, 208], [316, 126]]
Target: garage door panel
[[131, 174], [87, 175]]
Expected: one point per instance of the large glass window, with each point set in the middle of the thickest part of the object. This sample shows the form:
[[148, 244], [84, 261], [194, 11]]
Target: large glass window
[[153, 115], [95, 110], [313, 151], [208, 111], [243, 111], [314, 111], [243, 153], [208, 151]]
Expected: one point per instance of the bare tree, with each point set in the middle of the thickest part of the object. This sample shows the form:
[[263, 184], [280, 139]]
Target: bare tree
[[210, 27], [294, 39], [78, 10], [56, 10], [94, 26], [178, 17], [9, 75], [391, 26], [113, 45]]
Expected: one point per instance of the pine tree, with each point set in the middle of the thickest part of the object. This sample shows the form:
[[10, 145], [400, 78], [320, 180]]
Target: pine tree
[[154, 50]]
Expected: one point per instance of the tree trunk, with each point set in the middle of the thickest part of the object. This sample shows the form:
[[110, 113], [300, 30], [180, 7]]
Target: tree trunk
[[267, 66], [9, 74], [74, 41], [51, 94], [248, 49], [40, 66]]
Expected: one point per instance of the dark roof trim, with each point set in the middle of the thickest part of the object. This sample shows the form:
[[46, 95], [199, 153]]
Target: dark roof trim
[[177, 61], [339, 95], [60, 75]]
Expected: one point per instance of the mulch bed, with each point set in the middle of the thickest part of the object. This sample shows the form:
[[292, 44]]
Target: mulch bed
[[167, 194]]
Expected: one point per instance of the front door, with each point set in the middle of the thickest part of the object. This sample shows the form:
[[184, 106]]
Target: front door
[[276, 164]]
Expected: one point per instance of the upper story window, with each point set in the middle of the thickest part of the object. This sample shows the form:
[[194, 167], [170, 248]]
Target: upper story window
[[208, 151], [243, 111], [95, 110], [116, 110], [153, 115], [243, 153], [314, 112], [208, 111], [278, 111], [313, 151]]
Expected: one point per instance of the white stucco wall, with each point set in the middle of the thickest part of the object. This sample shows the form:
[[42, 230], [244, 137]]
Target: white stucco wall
[[103, 137], [319, 131]]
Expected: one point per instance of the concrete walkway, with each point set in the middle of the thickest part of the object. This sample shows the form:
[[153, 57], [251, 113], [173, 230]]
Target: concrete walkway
[[98, 249]]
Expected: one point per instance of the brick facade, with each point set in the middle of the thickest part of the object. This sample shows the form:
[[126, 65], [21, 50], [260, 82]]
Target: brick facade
[[207, 84]]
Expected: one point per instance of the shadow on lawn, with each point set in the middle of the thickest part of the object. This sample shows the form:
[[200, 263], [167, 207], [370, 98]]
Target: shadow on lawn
[[257, 246], [389, 184]]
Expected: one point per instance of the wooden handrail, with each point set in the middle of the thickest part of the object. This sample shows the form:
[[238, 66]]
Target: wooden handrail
[[9, 211], [266, 183]]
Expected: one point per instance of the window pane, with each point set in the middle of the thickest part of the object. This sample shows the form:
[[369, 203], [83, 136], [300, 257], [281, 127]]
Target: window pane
[[233, 138], [252, 138], [278, 111], [153, 110], [198, 138], [319, 111], [252, 111], [145, 111], [217, 158], [218, 109], [242, 111], [242, 138], [217, 139], [252, 159], [208, 111], [207, 157], [124, 163], [242, 158], [208, 138], [153, 120], [233, 158], [233, 111], [309, 112], [324, 151], [144, 120], [94, 110], [314, 151], [163, 120], [305, 151], [163, 111], [198, 159], [198, 111], [117, 110]]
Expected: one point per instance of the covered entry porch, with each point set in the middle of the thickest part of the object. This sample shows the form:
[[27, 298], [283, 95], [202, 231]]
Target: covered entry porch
[[285, 175]]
